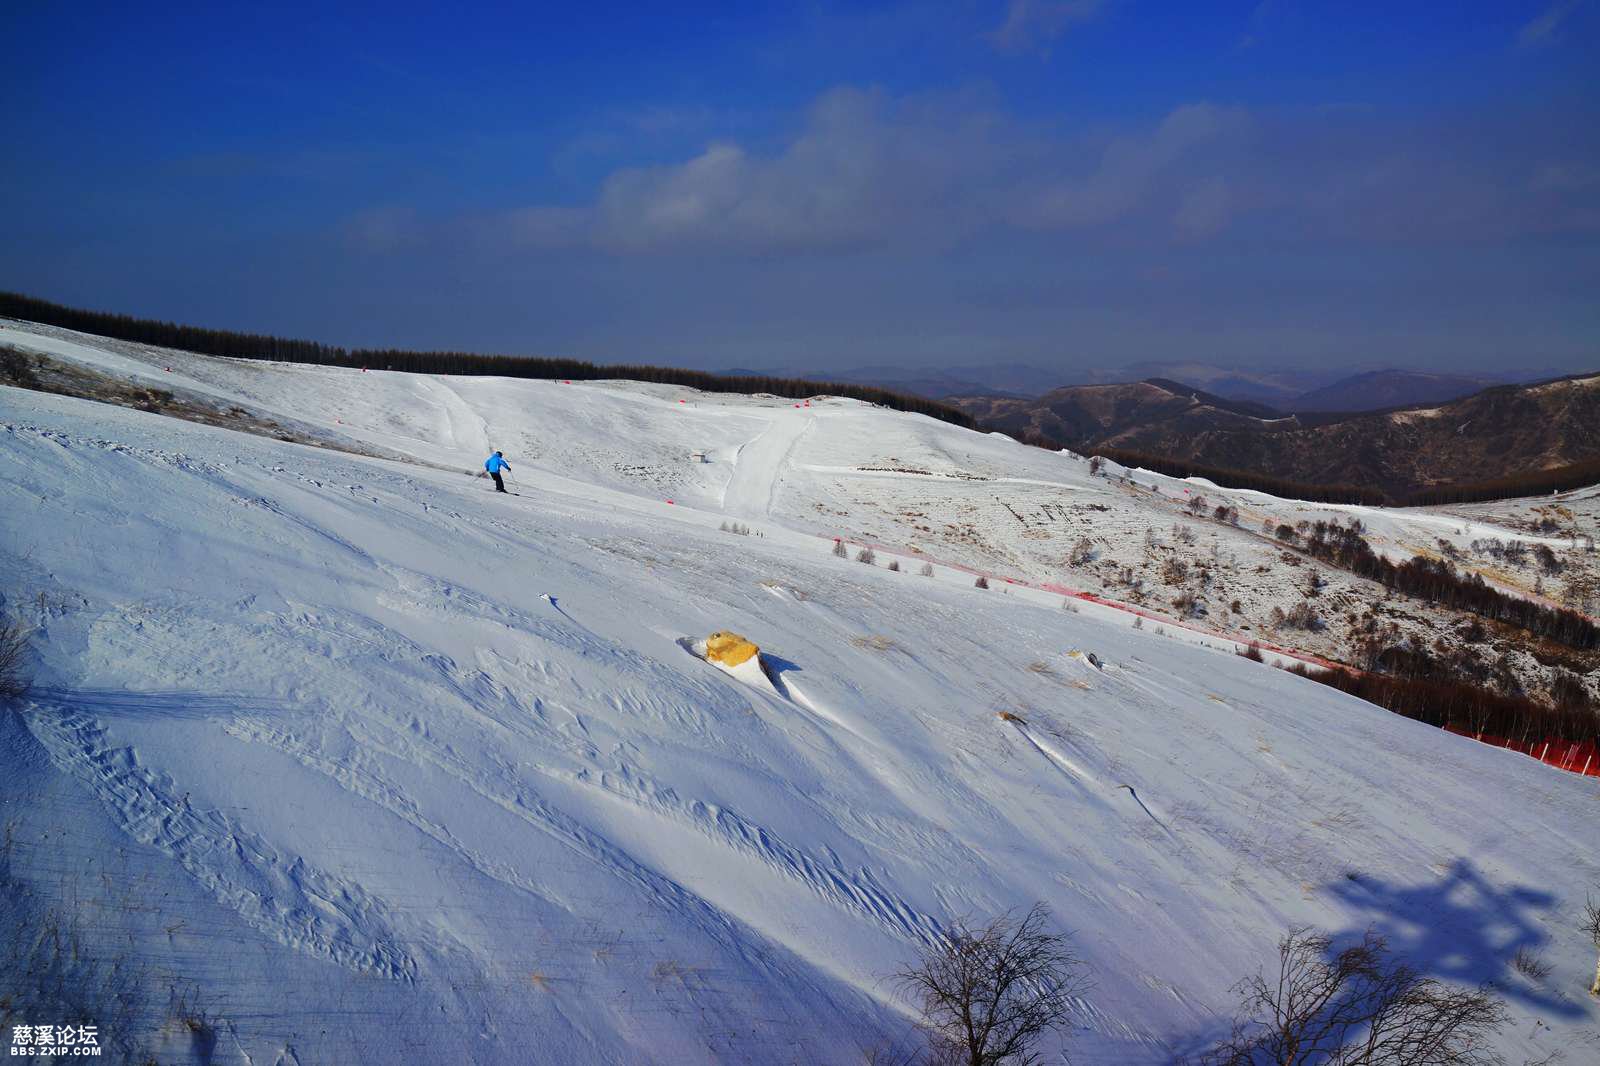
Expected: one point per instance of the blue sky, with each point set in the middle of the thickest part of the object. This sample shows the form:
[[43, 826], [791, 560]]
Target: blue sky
[[1075, 184]]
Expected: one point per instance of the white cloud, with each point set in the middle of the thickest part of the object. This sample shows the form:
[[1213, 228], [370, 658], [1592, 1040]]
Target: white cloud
[[863, 169], [869, 170], [1543, 29], [1204, 210], [866, 170], [1128, 170], [1564, 177], [384, 229], [1033, 25], [542, 227], [827, 187]]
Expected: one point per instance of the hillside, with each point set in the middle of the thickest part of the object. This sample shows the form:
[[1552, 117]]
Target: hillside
[[1016, 514], [342, 757], [1381, 389], [1495, 433], [934, 383], [1112, 414], [1320, 390], [1274, 387]]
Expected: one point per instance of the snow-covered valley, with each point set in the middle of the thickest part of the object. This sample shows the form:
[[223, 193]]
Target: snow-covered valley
[[350, 759]]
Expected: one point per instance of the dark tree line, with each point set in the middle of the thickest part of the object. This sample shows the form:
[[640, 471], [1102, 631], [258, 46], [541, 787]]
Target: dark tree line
[[1230, 479], [1438, 581], [1536, 483], [1464, 707], [165, 334], [280, 349], [1246, 479]]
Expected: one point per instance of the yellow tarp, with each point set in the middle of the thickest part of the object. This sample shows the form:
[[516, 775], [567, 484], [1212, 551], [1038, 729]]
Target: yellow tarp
[[729, 649]]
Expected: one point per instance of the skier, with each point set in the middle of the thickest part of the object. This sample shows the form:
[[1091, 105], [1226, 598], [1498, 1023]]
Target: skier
[[494, 464]]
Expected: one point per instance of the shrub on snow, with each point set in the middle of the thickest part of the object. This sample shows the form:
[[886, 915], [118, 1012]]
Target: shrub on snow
[[14, 678]]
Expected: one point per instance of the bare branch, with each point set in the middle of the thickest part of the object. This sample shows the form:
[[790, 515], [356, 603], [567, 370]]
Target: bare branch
[[1591, 922], [13, 658], [989, 994], [1356, 1007], [1591, 929]]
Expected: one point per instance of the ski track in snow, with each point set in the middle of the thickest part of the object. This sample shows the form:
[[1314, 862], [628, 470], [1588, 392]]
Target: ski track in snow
[[856, 892], [753, 489], [644, 687], [298, 905], [463, 428]]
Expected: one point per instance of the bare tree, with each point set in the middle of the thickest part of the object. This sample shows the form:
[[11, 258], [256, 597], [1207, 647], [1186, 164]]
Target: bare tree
[[1356, 1007], [1591, 929], [13, 658], [1300, 616], [1082, 552], [990, 994]]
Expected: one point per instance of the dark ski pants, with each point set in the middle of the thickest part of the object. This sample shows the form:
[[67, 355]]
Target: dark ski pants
[[499, 486]]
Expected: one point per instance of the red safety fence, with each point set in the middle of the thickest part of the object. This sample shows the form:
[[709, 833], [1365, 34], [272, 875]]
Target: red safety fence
[[1575, 756]]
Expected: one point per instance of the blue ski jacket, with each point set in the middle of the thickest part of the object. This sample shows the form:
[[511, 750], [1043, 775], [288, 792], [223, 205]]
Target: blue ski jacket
[[494, 464]]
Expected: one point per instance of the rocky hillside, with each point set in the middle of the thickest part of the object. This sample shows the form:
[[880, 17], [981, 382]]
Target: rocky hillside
[[1110, 413], [1503, 431]]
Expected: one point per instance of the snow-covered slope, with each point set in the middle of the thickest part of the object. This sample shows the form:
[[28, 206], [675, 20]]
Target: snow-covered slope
[[832, 466], [350, 759]]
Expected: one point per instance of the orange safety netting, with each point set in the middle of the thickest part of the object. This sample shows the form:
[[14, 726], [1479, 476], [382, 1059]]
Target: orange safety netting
[[1576, 756]]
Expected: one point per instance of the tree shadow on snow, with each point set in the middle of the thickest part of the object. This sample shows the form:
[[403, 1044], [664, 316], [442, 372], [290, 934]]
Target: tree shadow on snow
[[1190, 1047], [1460, 928]]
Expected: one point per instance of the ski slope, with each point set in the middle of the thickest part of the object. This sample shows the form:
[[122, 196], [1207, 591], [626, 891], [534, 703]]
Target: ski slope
[[354, 760], [866, 475]]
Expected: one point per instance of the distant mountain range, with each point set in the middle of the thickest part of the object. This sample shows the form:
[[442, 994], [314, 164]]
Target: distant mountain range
[[1276, 388], [999, 379], [1283, 391], [1505, 430], [1381, 389]]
